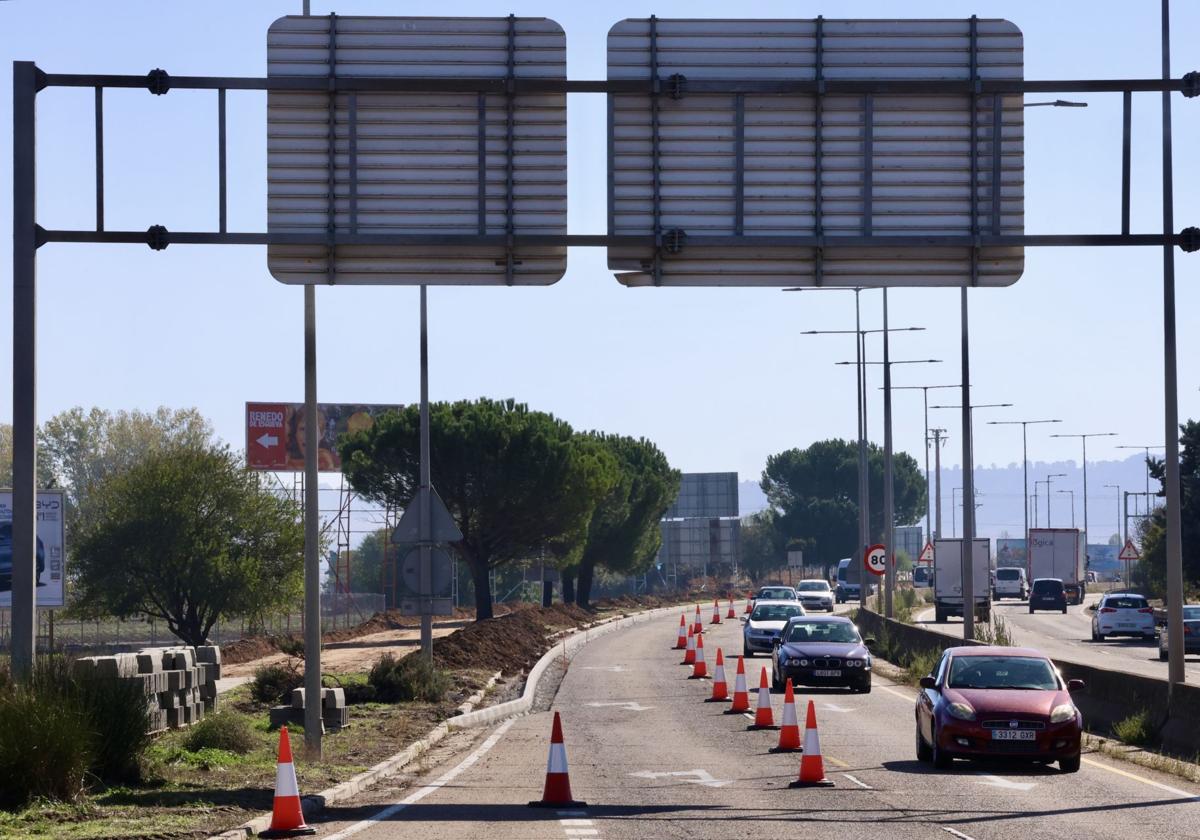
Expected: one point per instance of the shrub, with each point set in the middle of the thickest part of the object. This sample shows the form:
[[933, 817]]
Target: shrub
[[118, 715], [1134, 729], [291, 645], [46, 745], [355, 686], [226, 730], [273, 683], [410, 678], [920, 664]]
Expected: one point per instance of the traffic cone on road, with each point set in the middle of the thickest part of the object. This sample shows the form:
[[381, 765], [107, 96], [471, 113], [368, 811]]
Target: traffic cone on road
[[763, 718], [681, 639], [731, 613], [741, 698], [720, 687], [698, 624], [689, 652], [557, 792], [700, 667], [287, 818], [812, 769], [716, 619], [747, 610], [789, 732]]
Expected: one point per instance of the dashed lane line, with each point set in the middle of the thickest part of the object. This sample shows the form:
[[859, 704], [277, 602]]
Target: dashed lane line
[[862, 785], [957, 834], [1183, 794]]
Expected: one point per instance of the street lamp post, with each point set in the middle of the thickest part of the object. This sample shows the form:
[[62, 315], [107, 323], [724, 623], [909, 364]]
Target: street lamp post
[[1024, 461], [925, 389], [1084, 438], [1050, 478], [1146, 449], [1072, 493], [1117, 487]]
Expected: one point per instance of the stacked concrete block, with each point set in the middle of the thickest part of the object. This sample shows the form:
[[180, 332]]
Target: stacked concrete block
[[334, 714]]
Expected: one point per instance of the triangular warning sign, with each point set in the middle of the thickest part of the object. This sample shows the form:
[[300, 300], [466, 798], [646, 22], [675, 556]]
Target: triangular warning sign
[[926, 553], [1129, 552], [445, 530]]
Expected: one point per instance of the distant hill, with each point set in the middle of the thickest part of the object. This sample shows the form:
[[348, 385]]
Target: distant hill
[[751, 498]]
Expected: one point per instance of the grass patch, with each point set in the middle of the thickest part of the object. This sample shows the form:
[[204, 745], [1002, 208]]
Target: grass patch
[[904, 604], [227, 731], [1189, 770], [1135, 729], [994, 632], [412, 678], [273, 684]]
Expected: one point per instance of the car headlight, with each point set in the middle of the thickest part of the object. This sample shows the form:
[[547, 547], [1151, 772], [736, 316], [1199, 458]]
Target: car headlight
[[801, 662], [852, 663], [962, 711], [1063, 713]]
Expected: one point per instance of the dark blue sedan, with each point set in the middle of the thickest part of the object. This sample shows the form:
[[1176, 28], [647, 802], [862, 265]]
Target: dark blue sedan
[[824, 651]]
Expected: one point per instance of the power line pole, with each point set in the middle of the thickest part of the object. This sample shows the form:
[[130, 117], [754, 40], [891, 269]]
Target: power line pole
[[939, 437]]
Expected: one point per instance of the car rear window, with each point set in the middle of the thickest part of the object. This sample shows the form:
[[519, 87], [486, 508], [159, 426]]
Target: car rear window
[[824, 632], [1020, 672], [1126, 602], [774, 612], [1008, 574], [813, 586], [777, 595], [1047, 587]]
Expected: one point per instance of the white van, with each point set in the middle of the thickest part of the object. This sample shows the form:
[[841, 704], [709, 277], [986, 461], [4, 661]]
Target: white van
[[1009, 582]]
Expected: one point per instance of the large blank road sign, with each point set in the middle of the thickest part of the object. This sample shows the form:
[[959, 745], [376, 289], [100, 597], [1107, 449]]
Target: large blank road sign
[[910, 163], [423, 163]]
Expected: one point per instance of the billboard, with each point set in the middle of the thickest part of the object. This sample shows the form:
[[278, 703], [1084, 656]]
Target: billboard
[[698, 546], [783, 144], [1103, 558], [705, 495], [275, 433], [1010, 552], [51, 548]]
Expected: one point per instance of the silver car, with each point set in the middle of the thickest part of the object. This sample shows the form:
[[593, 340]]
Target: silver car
[[1191, 633], [764, 624], [815, 595]]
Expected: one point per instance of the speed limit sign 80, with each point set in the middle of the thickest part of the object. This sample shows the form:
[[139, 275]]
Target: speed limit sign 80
[[875, 559]]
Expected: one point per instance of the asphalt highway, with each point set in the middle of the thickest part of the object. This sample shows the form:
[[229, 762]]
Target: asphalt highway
[[653, 760]]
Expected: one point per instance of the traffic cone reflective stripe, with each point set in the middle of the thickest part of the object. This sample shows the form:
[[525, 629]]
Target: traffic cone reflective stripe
[[741, 698], [789, 731], [689, 653], [681, 639], [287, 817], [747, 609], [720, 693], [698, 624], [716, 619], [557, 792], [763, 718], [731, 613], [700, 667], [812, 769]]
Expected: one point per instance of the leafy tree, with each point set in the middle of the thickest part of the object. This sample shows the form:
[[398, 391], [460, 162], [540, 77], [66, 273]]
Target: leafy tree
[[45, 478], [187, 535], [815, 493], [514, 480], [1152, 568], [763, 545], [623, 533]]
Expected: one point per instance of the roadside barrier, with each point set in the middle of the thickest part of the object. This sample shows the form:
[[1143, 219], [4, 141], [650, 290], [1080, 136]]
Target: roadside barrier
[[741, 698], [287, 817], [716, 619], [812, 769], [557, 792], [731, 613], [789, 732], [698, 624], [720, 692], [700, 667], [689, 651], [681, 639], [763, 717]]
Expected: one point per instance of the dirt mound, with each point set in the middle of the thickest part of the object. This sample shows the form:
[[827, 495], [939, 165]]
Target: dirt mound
[[510, 643], [245, 650]]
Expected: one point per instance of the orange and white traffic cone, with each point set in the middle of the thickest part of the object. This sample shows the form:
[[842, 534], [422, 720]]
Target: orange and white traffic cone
[[287, 817], [557, 792], [731, 613], [747, 610], [812, 769], [689, 651], [681, 639], [720, 686], [716, 619], [698, 624], [763, 718], [789, 732], [741, 698], [700, 667]]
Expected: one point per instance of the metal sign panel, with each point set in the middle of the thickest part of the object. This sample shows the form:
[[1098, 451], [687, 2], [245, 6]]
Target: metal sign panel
[[747, 165], [441, 573], [275, 433], [416, 163], [408, 529], [51, 548], [705, 495], [700, 544]]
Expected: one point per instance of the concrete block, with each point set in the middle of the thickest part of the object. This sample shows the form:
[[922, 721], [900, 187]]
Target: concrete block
[[209, 672], [283, 715], [174, 718], [169, 700], [333, 698], [191, 677], [208, 654], [335, 719], [148, 662], [211, 705], [208, 691], [297, 698], [176, 680]]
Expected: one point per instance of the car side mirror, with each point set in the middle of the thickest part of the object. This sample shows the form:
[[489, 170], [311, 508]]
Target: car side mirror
[[777, 642], [743, 619], [1075, 685], [929, 682], [869, 644]]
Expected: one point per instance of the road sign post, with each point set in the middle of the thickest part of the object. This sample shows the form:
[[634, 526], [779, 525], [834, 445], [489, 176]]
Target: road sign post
[[1129, 554], [875, 560]]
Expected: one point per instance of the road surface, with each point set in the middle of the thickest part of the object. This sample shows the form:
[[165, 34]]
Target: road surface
[[653, 760]]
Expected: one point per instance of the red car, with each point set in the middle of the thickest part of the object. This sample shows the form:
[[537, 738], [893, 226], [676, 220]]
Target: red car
[[997, 702]]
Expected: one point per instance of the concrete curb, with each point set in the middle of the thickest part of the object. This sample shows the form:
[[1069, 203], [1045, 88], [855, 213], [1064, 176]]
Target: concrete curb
[[567, 647]]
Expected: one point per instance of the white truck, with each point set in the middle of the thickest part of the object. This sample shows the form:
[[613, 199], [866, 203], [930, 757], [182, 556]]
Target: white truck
[[948, 578], [1059, 553]]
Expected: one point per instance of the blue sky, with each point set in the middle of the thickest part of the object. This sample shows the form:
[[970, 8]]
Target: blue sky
[[720, 378]]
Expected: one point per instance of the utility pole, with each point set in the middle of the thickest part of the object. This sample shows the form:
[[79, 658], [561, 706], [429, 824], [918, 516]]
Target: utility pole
[[1085, 493], [939, 437]]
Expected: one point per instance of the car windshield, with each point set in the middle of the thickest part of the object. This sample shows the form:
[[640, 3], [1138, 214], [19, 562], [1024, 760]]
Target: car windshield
[[1047, 587], [1126, 602], [1008, 574], [1191, 613], [813, 586], [774, 612], [1017, 672], [777, 595], [824, 632]]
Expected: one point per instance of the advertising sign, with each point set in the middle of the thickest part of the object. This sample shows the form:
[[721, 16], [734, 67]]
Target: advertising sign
[[51, 548], [275, 433], [1010, 552]]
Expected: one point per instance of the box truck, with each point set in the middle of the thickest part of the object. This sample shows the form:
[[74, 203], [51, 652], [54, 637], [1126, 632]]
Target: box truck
[[948, 578], [1059, 553]]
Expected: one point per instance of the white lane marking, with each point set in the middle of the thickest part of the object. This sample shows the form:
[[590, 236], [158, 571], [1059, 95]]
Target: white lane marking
[[833, 707], [1173, 791], [571, 813], [421, 793], [1007, 784], [703, 777], [577, 822], [747, 716], [629, 706], [857, 782], [907, 697], [616, 669], [957, 834], [581, 832]]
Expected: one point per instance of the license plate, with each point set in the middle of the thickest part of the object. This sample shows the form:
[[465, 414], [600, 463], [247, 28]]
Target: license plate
[[1013, 735], [1125, 624], [827, 673]]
